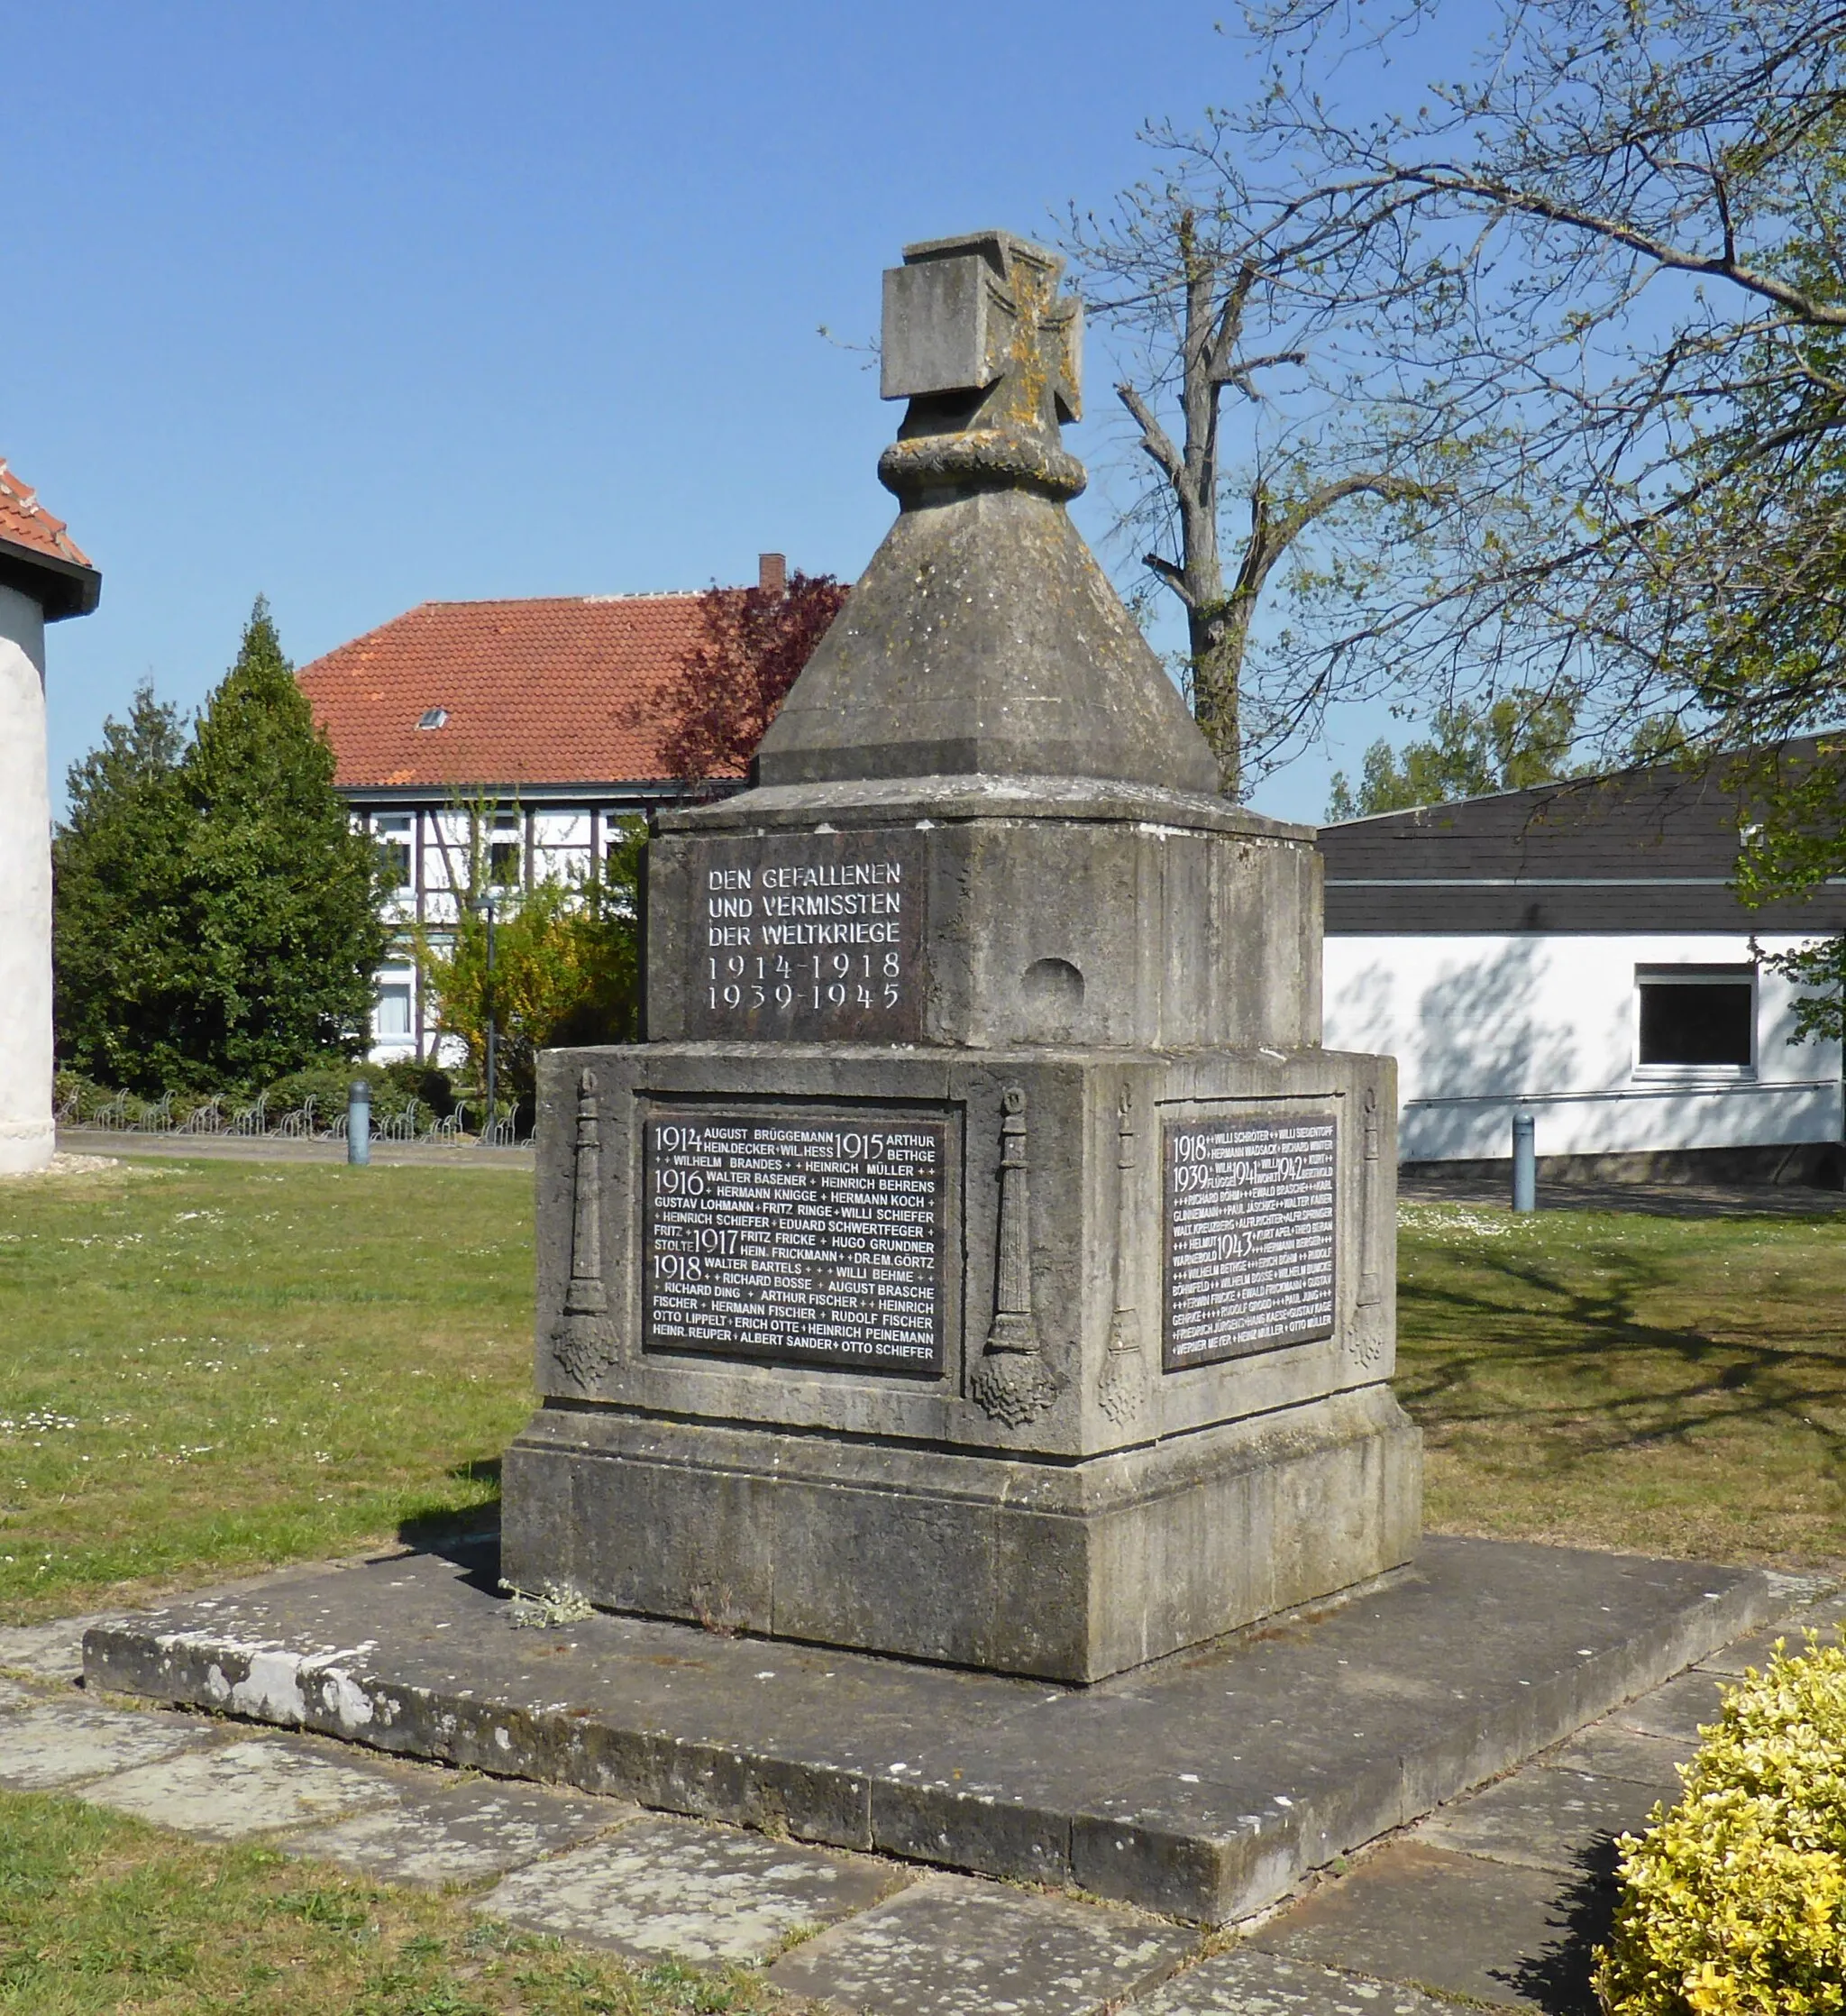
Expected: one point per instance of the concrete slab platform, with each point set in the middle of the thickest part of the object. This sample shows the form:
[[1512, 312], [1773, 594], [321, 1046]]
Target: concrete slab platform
[[1678, 1710], [459, 1831], [63, 1743], [239, 1788], [666, 1888], [1245, 1982], [1827, 1619], [1201, 1787], [52, 1651], [1454, 1924], [1607, 1750], [952, 1947], [1544, 1818]]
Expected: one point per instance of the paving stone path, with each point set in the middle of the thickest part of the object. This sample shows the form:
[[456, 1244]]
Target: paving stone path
[[1498, 1898]]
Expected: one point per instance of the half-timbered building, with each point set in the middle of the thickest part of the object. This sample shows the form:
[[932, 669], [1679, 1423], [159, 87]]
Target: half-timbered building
[[488, 744]]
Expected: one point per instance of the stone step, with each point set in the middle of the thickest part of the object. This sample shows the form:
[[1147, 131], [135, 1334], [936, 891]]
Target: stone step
[[1203, 1786]]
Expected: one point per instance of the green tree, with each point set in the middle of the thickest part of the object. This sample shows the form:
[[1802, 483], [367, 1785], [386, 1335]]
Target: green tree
[[282, 894], [567, 968], [120, 954], [1521, 738], [218, 915]]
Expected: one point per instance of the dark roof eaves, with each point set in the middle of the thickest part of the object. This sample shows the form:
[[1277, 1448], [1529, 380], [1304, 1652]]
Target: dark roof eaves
[[1487, 797], [1639, 774], [76, 588]]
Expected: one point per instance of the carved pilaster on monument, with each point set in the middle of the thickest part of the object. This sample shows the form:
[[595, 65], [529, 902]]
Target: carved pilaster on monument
[[1368, 1345], [1012, 1382], [582, 1339], [1123, 1386]]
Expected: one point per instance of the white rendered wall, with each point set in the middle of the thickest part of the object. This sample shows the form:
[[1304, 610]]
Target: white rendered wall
[[26, 1137], [1479, 1024]]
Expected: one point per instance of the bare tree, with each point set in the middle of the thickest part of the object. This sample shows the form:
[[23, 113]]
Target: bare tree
[[1628, 232], [1215, 288], [1569, 335]]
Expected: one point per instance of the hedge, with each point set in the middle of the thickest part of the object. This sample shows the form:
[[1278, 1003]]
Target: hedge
[[1733, 1903]]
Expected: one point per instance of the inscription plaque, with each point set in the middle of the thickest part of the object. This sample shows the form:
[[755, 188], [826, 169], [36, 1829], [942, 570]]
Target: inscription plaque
[[807, 936], [1249, 1234], [806, 1241]]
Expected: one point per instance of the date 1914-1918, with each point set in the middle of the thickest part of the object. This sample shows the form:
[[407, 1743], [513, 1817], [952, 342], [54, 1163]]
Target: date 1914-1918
[[798, 1238]]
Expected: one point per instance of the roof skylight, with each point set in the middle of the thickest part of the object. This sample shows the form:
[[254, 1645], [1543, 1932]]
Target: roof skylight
[[433, 717]]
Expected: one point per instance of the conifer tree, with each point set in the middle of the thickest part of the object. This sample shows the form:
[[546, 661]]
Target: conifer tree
[[119, 956], [282, 895], [216, 915]]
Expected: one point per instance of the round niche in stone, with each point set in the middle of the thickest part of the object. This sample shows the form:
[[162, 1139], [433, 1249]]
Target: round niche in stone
[[1054, 996]]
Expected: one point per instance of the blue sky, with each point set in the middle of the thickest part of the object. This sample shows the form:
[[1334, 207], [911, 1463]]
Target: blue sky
[[358, 307]]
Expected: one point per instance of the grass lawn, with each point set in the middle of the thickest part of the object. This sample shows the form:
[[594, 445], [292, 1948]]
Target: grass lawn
[[1667, 1385], [99, 1913], [213, 1366]]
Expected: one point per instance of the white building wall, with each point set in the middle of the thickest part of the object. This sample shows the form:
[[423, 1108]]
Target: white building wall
[[1482, 1023], [26, 1134], [444, 841], [561, 844]]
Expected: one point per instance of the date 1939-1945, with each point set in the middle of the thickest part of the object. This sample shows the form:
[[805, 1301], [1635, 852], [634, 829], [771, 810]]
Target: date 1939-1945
[[814, 980]]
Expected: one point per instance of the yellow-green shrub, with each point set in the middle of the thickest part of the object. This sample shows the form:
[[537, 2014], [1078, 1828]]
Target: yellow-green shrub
[[1733, 1903]]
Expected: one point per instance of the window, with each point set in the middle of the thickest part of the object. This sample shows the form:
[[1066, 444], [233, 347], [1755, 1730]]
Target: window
[[393, 835], [503, 858], [1696, 1017], [433, 717], [390, 1014]]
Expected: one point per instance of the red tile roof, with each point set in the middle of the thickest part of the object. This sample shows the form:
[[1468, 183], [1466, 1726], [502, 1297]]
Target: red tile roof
[[562, 690], [34, 544], [25, 522]]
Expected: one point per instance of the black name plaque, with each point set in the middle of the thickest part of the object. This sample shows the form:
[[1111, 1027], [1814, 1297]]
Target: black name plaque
[[1250, 1226], [805, 1242], [804, 937]]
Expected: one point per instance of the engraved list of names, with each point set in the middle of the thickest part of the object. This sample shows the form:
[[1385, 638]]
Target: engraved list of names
[[1249, 1224], [806, 1242], [808, 936]]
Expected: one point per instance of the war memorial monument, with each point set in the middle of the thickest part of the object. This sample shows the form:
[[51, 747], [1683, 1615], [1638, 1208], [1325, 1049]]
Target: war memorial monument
[[980, 1282], [980, 1260]]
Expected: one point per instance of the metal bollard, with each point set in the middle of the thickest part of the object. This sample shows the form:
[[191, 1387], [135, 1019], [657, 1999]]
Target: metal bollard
[[1525, 1161], [359, 1122]]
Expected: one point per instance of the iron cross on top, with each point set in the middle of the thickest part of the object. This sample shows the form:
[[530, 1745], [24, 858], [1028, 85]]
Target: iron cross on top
[[964, 316]]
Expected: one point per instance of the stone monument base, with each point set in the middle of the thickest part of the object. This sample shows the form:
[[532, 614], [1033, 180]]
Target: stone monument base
[[960, 1355], [1204, 1787], [1070, 1570]]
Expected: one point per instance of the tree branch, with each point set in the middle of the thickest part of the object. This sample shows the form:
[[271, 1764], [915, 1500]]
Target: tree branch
[[1173, 575], [1157, 445]]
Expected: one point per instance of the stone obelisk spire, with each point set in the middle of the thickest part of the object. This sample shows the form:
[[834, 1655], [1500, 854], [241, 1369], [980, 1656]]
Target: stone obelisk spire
[[984, 637]]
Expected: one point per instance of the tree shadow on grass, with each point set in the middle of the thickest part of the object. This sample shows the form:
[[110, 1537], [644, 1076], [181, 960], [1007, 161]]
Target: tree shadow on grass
[[469, 1537], [1531, 1324]]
